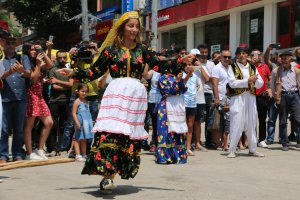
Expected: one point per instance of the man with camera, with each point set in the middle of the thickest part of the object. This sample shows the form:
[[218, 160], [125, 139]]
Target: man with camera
[[263, 95]]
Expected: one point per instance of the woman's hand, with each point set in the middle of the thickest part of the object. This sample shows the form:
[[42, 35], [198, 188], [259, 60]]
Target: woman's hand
[[65, 71], [40, 60]]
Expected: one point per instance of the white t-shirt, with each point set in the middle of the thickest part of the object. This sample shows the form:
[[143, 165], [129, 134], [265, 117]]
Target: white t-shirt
[[200, 91], [209, 66], [220, 72], [190, 96], [154, 94]]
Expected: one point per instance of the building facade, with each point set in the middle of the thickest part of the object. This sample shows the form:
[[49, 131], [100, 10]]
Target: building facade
[[225, 24]]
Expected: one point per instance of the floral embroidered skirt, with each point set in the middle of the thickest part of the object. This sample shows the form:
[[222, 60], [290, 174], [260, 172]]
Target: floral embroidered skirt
[[171, 146], [113, 153]]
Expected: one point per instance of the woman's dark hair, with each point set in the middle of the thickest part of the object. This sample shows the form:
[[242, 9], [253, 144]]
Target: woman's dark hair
[[25, 51]]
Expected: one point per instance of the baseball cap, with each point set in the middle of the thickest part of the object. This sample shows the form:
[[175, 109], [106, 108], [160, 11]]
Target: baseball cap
[[195, 51], [286, 53]]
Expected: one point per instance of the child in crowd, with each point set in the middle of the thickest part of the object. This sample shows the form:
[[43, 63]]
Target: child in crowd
[[83, 122]]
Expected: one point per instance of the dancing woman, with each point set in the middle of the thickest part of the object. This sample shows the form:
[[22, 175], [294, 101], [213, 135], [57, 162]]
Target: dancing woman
[[120, 122]]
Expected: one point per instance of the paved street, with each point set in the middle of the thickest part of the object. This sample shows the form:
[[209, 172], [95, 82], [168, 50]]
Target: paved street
[[207, 176]]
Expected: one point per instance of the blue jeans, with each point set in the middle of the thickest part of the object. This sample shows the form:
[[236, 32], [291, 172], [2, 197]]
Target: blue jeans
[[290, 103], [272, 114], [68, 130], [13, 118]]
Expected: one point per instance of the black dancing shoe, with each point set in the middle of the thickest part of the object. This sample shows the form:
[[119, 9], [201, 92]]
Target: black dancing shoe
[[107, 184]]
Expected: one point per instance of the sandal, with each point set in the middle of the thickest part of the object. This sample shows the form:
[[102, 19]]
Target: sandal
[[201, 148], [190, 153]]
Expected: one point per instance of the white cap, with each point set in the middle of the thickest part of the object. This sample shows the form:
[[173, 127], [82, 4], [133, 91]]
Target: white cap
[[195, 51]]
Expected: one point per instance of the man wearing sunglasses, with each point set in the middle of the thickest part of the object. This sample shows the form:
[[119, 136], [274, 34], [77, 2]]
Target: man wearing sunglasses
[[219, 82]]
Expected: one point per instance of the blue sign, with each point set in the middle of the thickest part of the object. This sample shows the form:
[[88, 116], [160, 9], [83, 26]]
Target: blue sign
[[107, 13], [127, 5]]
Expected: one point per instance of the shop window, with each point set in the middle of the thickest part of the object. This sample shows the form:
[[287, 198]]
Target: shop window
[[252, 28], [175, 37]]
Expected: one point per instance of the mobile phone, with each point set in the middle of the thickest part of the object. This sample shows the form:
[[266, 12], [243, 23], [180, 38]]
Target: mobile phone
[[50, 38], [276, 45], [39, 50]]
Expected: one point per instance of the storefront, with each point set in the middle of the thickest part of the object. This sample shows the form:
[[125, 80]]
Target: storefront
[[226, 24]]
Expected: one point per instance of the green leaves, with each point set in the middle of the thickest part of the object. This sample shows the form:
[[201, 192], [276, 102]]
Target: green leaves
[[46, 17]]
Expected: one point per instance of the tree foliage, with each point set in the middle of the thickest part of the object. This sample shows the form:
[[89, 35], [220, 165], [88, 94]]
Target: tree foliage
[[47, 17]]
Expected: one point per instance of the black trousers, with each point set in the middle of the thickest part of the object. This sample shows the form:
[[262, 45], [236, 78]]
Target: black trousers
[[262, 111]]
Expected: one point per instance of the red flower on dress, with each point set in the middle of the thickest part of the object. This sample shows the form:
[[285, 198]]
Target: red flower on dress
[[98, 156], [125, 55], [155, 68], [140, 59], [102, 138], [90, 72], [115, 68], [115, 158], [108, 166], [106, 53]]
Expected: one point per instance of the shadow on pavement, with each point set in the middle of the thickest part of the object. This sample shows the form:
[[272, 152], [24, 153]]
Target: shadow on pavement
[[119, 191]]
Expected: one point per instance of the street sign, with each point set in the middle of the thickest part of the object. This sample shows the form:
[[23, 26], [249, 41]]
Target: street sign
[[127, 5], [108, 13]]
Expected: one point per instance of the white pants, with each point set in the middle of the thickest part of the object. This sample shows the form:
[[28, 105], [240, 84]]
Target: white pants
[[243, 118]]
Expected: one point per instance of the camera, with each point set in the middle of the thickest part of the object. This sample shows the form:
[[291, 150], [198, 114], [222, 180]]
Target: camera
[[276, 46], [83, 53]]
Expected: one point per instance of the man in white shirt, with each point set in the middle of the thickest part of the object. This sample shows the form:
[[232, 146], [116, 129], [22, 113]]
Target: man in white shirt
[[219, 82], [243, 79], [208, 92]]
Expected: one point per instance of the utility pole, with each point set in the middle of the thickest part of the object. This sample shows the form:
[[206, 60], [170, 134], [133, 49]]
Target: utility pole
[[84, 15], [154, 25], [85, 21]]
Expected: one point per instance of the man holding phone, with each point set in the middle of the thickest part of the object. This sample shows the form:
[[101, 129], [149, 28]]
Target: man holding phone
[[263, 95]]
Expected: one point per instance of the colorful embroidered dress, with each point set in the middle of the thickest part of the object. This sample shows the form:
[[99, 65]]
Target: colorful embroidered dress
[[171, 147], [116, 147]]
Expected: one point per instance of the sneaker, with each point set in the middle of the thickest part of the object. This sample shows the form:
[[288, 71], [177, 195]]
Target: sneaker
[[263, 144], [107, 184], [33, 156], [256, 154], [79, 158], [269, 142], [41, 153], [231, 155]]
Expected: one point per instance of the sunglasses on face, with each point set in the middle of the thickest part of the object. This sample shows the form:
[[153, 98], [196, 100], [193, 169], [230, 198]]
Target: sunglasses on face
[[227, 57], [64, 57]]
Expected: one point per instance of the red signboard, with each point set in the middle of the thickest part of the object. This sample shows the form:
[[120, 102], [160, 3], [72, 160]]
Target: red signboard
[[195, 9], [102, 29]]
